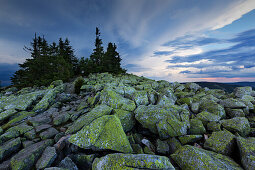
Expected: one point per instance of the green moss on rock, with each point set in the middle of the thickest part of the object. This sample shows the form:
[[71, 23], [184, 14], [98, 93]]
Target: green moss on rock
[[130, 161], [237, 124], [103, 133], [86, 119], [190, 157], [221, 142]]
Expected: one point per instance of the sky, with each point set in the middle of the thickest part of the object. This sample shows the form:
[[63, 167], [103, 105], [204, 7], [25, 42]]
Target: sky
[[173, 40]]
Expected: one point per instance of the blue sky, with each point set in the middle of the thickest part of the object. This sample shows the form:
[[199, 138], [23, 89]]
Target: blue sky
[[174, 40]]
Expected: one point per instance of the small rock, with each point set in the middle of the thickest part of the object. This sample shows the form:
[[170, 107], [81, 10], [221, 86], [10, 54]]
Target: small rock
[[189, 138], [68, 164], [162, 147], [27, 143], [49, 133], [42, 127], [83, 161]]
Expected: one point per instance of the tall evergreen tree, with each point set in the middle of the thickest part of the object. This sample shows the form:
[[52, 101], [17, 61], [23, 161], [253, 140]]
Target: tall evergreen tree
[[97, 56]]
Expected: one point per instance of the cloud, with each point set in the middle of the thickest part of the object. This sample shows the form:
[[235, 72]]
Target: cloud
[[236, 61]]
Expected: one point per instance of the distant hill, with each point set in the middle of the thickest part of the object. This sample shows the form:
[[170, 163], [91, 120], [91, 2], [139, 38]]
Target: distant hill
[[229, 87]]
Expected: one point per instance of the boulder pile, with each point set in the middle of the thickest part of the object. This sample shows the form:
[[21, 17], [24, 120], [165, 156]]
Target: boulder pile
[[126, 122]]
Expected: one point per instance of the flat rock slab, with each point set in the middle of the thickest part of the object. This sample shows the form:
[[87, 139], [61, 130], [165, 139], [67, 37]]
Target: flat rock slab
[[103, 133], [132, 161]]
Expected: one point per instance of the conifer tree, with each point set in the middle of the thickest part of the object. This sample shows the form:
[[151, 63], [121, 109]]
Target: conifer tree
[[97, 56], [47, 63]]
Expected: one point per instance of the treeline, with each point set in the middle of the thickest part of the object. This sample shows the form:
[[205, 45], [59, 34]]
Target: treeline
[[57, 61]]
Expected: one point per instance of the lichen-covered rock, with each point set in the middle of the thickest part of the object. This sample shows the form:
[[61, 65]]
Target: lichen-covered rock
[[192, 86], [86, 119], [169, 93], [221, 142], [232, 103], [140, 98], [126, 118], [154, 117], [237, 124], [9, 134], [196, 127], [9, 147], [103, 133], [48, 99], [60, 119], [20, 102], [206, 117], [214, 126], [241, 91], [235, 112], [190, 157], [20, 118], [164, 100], [213, 108], [195, 107], [47, 158], [247, 152], [27, 157], [116, 101], [30, 134], [189, 138], [130, 161], [171, 127], [7, 113]]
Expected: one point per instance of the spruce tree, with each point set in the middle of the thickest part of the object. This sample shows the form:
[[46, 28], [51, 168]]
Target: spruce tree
[[97, 56]]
